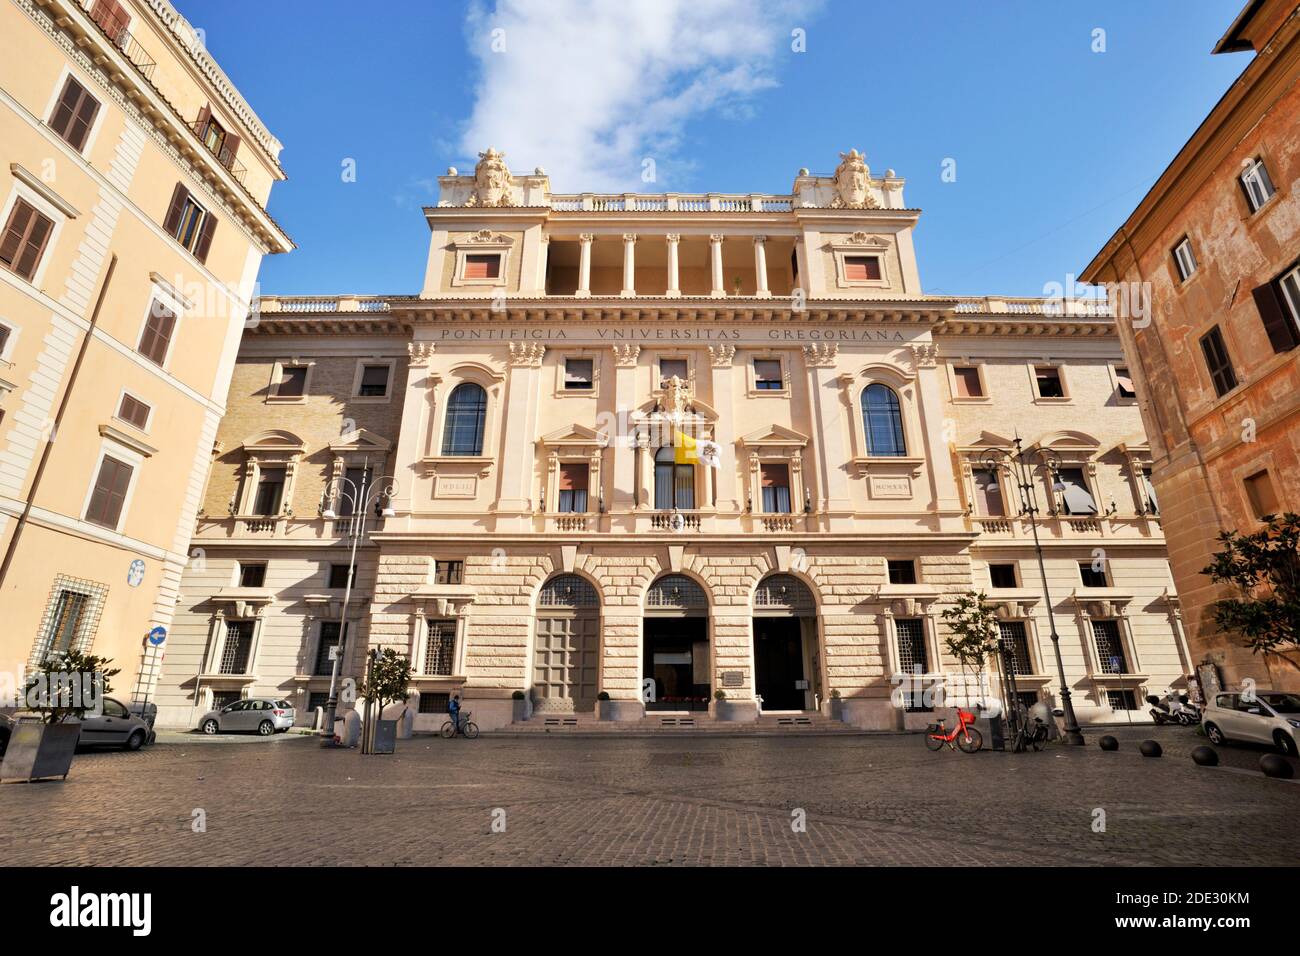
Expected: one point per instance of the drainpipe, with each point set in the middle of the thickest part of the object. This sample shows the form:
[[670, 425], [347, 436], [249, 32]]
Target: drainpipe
[[12, 549]]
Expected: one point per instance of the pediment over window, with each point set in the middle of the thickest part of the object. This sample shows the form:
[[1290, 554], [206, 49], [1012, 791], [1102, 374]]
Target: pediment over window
[[774, 436], [361, 440], [988, 439], [574, 435], [1068, 438], [696, 410], [274, 441]]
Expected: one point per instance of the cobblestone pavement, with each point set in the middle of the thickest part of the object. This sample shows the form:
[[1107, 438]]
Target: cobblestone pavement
[[663, 801]]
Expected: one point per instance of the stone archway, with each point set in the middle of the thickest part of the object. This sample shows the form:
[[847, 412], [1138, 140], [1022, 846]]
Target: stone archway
[[676, 669], [566, 650], [786, 659]]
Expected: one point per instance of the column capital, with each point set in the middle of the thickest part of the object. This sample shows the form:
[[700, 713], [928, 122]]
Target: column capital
[[673, 237], [587, 237], [759, 240], [625, 356], [821, 354], [420, 352], [526, 354], [629, 237], [720, 356], [716, 239]]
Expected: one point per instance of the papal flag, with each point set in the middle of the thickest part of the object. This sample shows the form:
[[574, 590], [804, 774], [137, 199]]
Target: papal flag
[[688, 450]]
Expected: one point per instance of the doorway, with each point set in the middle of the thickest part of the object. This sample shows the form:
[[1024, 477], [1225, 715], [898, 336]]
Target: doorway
[[780, 678], [676, 660]]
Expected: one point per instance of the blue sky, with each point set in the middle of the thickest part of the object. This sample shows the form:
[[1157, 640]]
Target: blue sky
[[1053, 144]]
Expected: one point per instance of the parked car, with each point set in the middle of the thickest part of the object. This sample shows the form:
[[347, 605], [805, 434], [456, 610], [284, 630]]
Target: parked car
[[1266, 717], [6, 728], [115, 726], [265, 715]]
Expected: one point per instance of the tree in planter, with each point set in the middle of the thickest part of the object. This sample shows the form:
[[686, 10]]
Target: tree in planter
[[66, 687], [386, 680], [1264, 568], [974, 637]]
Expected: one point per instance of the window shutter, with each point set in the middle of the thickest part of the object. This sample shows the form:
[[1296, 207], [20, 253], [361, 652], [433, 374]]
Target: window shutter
[[110, 493], [201, 124], [81, 123], [482, 267], [157, 334], [38, 233], [1278, 325], [573, 477], [860, 268], [205, 237], [232, 147], [19, 220], [173, 220]]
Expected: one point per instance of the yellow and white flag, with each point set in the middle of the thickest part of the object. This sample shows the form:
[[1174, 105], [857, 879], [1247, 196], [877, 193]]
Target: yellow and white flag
[[688, 450]]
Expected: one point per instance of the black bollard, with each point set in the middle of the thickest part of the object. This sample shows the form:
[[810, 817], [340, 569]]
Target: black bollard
[[1150, 748], [1277, 766], [1205, 757], [1108, 743]]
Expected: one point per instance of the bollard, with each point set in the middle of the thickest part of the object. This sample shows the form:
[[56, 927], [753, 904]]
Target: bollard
[[1108, 743], [1205, 757], [1150, 748], [1277, 766]]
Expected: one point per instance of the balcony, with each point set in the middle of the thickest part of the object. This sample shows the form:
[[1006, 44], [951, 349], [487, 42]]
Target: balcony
[[120, 36], [671, 202], [225, 156], [1067, 527]]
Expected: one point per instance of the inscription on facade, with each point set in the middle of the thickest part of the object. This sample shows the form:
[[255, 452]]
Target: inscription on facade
[[457, 486], [890, 487], [679, 333]]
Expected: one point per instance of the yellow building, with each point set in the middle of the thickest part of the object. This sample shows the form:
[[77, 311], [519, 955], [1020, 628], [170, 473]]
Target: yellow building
[[543, 537], [133, 189]]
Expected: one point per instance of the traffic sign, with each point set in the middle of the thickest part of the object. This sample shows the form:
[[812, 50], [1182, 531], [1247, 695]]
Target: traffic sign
[[157, 636]]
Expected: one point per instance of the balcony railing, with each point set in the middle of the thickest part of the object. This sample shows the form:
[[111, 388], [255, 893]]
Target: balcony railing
[[677, 521], [1001, 305], [224, 155], [120, 36], [311, 304], [670, 202]]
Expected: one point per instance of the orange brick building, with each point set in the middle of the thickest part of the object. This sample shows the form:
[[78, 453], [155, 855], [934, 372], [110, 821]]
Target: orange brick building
[[1216, 245]]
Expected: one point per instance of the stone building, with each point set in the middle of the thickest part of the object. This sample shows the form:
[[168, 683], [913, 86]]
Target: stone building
[[132, 223], [1212, 250], [655, 447]]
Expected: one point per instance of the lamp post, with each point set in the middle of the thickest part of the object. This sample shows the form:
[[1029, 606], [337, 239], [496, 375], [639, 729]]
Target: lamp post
[[360, 498], [1023, 462]]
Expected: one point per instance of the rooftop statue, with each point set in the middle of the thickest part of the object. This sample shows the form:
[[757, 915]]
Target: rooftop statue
[[852, 179], [491, 180]]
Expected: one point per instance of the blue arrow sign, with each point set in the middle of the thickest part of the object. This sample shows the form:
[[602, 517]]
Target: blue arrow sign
[[157, 636]]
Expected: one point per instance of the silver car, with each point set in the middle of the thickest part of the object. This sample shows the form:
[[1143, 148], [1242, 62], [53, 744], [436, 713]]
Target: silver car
[[265, 715], [115, 726], [1265, 717]]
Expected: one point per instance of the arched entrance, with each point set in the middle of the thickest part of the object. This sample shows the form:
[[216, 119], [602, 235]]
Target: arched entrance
[[786, 664], [566, 652], [676, 666]]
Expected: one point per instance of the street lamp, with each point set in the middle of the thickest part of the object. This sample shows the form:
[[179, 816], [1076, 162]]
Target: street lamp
[[360, 498], [1023, 462]]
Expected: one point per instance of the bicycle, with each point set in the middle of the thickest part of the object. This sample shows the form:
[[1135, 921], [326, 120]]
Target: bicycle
[[966, 737], [1030, 733], [467, 728]]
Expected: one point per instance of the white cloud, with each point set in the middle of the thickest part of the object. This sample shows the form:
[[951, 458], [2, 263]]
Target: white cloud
[[590, 88]]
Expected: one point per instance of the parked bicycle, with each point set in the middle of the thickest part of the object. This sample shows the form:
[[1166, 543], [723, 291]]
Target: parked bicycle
[[1031, 732], [964, 736], [467, 728]]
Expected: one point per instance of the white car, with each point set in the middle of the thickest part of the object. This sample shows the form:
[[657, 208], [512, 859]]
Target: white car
[[265, 715], [1265, 717]]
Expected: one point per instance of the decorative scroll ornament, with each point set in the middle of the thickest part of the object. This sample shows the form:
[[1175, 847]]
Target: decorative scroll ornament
[[852, 179], [721, 356], [491, 180], [625, 356], [925, 355], [420, 352], [677, 398], [821, 355], [526, 354]]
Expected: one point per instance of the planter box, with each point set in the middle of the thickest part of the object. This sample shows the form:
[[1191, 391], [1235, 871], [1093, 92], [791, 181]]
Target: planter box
[[38, 750], [518, 711], [619, 710], [837, 708], [735, 711], [385, 739]]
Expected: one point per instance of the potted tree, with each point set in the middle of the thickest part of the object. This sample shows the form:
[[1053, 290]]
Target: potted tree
[[603, 708], [518, 706], [837, 704], [57, 696], [1263, 569], [974, 636], [386, 680]]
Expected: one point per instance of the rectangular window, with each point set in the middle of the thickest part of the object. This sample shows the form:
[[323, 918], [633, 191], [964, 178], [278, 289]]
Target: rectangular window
[[224, 698], [65, 623], [133, 411], [329, 639], [1110, 652], [767, 375], [1149, 492], [1184, 261], [1256, 184], [112, 19], [189, 223], [578, 375], [482, 266], [238, 645], [441, 649], [1092, 578], [374, 381], [1262, 497], [573, 488], [431, 703], [1124, 383], [1003, 576], [861, 268], [988, 493], [448, 572], [1076, 499], [967, 380], [1121, 700], [23, 241], [1015, 644], [902, 572], [776, 488], [338, 577], [1217, 361], [156, 338], [673, 368], [1048, 379], [1278, 303], [109, 495], [356, 486], [252, 575], [270, 491], [912, 660], [74, 114], [293, 381]]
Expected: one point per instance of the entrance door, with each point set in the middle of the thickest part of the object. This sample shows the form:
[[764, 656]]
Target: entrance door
[[778, 663], [677, 660], [565, 663]]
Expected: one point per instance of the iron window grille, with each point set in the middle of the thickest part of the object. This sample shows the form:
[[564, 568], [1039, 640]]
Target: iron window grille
[[440, 652], [676, 591], [568, 590], [783, 592], [1121, 700], [1016, 644], [1110, 650], [236, 648], [434, 703]]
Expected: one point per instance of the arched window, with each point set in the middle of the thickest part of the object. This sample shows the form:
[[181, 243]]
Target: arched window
[[882, 420], [674, 483], [569, 591], [466, 414]]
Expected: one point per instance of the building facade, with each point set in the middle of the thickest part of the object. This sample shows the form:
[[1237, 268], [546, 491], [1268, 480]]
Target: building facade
[[656, 447], [1212, 251], [132, 204]]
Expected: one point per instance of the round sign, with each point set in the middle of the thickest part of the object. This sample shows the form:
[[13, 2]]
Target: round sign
[[135, 573], [157, 635]]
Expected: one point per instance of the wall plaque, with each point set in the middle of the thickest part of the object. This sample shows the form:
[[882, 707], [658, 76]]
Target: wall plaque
[[890, 487], [456, 486], [732, 678]]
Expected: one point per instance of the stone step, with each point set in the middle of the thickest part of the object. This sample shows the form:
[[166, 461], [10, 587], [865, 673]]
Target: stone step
[[679, 724]]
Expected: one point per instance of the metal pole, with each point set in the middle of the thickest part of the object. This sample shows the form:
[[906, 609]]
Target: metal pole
[[357, 528]]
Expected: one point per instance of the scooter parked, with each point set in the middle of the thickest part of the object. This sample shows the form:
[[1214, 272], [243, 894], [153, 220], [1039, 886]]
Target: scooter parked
[[1174, 709]]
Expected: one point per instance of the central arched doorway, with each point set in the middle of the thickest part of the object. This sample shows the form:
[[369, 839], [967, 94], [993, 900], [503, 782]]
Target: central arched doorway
[[566, 652], [786, 665], [676, 666]]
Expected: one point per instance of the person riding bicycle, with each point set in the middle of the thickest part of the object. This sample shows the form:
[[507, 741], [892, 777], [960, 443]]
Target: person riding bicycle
[[453, 710]]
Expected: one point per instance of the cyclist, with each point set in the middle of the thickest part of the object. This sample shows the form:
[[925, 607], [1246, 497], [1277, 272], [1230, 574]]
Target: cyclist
[[453, 710]]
